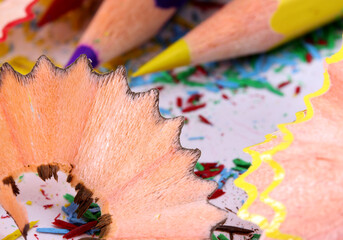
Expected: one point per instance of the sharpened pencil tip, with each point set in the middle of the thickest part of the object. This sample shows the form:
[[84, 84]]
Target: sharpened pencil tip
[[88, 51], [176, 55]]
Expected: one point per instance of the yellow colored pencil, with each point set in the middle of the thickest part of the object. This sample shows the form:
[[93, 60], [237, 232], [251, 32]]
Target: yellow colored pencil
[[244, 27]]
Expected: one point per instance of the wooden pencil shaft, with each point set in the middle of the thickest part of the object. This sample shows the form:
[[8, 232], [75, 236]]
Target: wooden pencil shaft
[[120, 26]]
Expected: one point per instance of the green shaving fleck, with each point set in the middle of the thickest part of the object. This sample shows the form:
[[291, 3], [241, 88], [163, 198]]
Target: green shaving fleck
[[222, 237], [239, 169], [199, 167], [241, 163], [256, 237], [213, 237], [279, 69], [186, 74], [89, 216]]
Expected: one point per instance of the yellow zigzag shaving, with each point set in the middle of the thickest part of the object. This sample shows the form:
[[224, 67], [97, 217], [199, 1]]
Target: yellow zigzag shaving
[[272, 229]]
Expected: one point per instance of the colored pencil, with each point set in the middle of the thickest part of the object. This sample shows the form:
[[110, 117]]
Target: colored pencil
[[119, 26], [244, 27]]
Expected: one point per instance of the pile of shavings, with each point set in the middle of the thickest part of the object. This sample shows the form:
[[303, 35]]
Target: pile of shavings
[[75, 226], [217, 172]]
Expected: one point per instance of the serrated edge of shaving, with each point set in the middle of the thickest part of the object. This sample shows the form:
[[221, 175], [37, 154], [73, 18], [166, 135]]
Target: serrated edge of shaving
[[272, 229]]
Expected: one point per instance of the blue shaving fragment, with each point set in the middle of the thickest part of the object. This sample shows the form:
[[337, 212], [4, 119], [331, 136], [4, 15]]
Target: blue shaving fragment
[[164, 111], [52, 230], [227, 84], [312, 50], [190, 93], [94, 210], [74, 220], [71, 209], [195, 138], [212, 88]]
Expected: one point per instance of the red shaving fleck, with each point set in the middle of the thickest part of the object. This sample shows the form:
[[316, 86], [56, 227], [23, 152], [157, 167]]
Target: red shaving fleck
[[175, 78], [297, 90], [44, 194], [217, 194], [36, 236], [308, 57], [283, 84], [209, 173], [201, 70], [81, 229], [193, 108], [48, 206], [194, 97], [322, 42], [63, 224], [219, 86], [160, 88], [204, 120], [57, 216], [6, 216], [179, 102], [186, 120], [225, 96], [209, 165]]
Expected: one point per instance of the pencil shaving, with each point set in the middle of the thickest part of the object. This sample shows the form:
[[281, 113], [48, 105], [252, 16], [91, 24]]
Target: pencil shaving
[[113, 144], [296, 173]]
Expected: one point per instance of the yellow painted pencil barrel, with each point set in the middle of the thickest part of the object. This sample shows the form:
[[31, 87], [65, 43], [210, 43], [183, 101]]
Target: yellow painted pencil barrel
[[245, 27]]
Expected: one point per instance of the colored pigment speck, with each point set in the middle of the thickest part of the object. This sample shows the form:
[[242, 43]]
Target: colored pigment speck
[[164, 111], [196, 138], [309, 58], [284, 84], [222, 237], [279, 69], [52, 230], [256, 237], [218, 193], [193, 108], [213, 237], [224, 96], [194, 98], [241, 163], [204, 120], [48, 206], [179, 102], [29, 203], [297, 90], [199, 167], [44, 194]]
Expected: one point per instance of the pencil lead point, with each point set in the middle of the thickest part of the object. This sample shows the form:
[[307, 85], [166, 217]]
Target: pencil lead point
[[88, 51], [176, 55]]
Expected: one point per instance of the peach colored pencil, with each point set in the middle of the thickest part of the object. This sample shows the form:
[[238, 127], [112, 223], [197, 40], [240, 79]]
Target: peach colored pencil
[[119, 26]]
